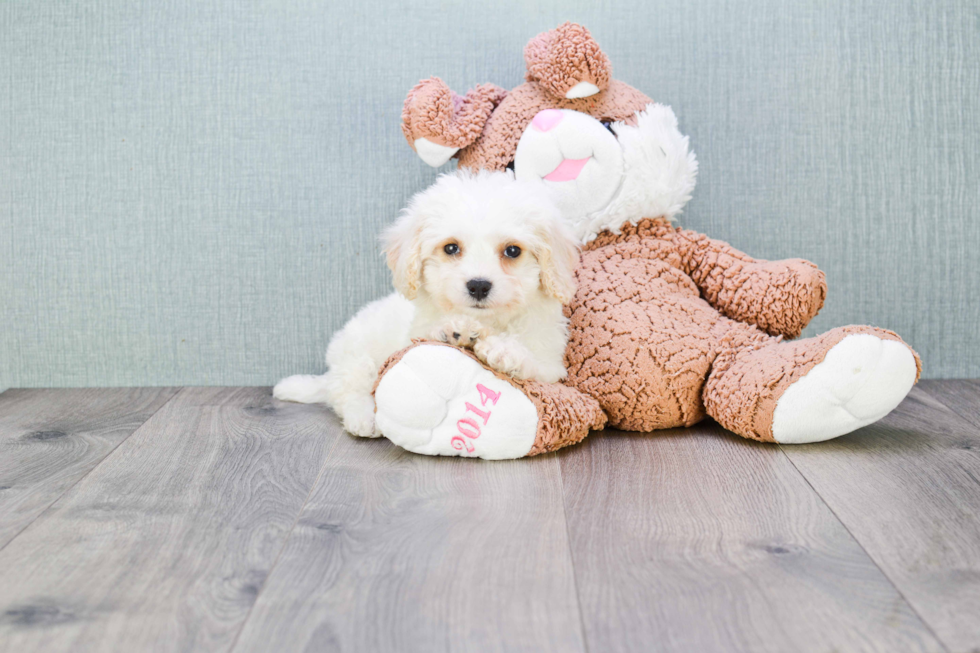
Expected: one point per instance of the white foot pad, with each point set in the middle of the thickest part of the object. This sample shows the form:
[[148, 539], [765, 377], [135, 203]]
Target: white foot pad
[[440, 402], [860, 380]]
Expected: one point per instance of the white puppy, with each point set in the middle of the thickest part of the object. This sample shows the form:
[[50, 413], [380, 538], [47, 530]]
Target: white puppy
[[479, 260]]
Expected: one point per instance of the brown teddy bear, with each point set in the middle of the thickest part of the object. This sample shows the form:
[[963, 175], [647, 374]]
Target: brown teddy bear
[[668, 325]]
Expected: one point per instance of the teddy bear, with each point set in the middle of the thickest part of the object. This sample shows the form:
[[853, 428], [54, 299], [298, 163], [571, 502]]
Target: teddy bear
[[667, 326]]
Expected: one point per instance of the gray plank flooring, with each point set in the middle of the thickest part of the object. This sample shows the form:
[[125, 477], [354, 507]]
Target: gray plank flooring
[[961, 396], [165, 545], [907, 489], [696, 540], [398, 552], [49, 439], [219, 519]]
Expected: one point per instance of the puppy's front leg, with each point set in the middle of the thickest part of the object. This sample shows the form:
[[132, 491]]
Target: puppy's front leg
[[507, 355], [459, 330]]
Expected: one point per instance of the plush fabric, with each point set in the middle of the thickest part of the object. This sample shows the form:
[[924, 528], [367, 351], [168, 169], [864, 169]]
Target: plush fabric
[[746, 382], [564, 58], [565, 416], [780, 297], [668, 325], [436, 113], [421, 410], [426, 110]]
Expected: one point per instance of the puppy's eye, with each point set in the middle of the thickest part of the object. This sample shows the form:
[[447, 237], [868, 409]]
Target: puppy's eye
[[452, 249], [512, 251]]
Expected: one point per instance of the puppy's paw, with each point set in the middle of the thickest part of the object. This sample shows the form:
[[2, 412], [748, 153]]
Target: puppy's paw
[[459, 330], [359, 417], [505, 355]]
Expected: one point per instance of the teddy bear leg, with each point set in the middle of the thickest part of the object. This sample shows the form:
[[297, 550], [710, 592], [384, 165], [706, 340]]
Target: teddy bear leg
[[811, 390], [439, 400]]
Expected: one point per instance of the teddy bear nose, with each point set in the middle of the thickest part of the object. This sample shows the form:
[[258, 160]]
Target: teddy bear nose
[[478, 288], [547, 119]]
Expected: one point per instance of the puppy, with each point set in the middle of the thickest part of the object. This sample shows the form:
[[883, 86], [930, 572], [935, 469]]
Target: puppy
[[478, 260]]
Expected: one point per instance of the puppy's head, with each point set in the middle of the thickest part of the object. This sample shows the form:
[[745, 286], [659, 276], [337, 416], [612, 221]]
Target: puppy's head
[[481, 241]]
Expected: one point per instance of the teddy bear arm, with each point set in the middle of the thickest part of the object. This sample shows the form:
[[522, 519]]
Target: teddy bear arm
[[780, 297]]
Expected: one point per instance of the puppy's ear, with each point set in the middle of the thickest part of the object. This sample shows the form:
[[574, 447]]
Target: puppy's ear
[[403, 250], [558, 256]]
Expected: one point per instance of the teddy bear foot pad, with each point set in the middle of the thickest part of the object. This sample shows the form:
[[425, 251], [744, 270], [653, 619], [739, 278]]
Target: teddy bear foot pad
[[437, 400], [860, 380]]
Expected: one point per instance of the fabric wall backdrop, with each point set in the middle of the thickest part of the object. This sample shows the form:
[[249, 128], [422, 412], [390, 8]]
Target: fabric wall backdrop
[[191, 192]]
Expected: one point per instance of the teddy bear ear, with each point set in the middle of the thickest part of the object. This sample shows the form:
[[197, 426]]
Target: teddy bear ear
[[438, 123], [568, 62]]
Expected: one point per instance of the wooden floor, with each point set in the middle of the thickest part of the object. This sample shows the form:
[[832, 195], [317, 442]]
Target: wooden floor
[[218, 519]]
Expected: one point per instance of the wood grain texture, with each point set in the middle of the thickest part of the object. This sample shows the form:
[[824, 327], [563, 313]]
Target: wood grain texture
[[49, 439], [231, 521], [962, 396], [164, 546], [695, 540], [399, 552], [908, 489]]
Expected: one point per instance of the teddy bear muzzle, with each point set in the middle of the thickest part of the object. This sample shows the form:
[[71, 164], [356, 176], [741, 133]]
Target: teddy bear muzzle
[[575, 155]]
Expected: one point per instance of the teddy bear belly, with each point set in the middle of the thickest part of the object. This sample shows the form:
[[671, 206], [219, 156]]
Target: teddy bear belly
[[645, 357]]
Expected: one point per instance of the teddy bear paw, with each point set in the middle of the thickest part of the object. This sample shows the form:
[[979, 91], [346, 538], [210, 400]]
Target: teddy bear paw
[[860, 380], [437, 400]]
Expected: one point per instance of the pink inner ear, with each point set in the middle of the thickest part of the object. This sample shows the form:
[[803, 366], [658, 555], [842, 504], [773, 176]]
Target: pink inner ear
[[547, 119]]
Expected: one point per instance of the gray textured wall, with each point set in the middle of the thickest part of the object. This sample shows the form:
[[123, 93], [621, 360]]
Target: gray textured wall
[[190, 192]]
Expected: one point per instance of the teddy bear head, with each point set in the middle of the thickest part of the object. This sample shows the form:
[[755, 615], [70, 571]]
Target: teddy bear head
[[607, 153]]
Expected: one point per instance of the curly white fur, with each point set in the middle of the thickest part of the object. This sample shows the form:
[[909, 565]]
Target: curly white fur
[[659, 173], [517, 328], [632, 172]]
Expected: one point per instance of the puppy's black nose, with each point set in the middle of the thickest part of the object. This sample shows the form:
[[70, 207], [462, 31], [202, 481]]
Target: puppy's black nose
[[478, 288]]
